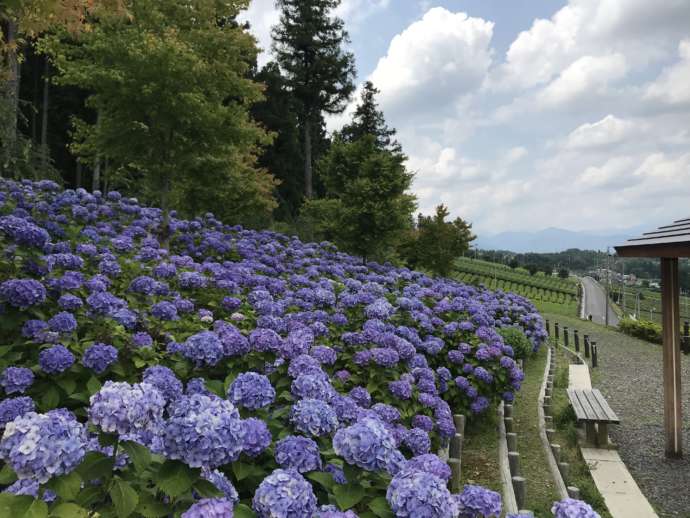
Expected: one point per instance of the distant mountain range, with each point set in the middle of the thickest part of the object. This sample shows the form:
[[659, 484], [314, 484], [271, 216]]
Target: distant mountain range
[[554, 240]]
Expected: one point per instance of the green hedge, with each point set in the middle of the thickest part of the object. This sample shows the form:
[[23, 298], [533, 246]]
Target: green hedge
[[642, 329]]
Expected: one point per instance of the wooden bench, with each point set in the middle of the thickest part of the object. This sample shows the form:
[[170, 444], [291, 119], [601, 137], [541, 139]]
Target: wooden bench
[[592, 409]]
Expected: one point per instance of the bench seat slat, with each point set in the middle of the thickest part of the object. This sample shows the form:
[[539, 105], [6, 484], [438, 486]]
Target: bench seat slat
[[590, 405]]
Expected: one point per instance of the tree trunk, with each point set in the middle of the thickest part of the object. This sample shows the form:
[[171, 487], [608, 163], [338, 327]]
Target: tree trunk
[[11, 92], [308, 192], [77, 180], [44, 117], [96, 182]]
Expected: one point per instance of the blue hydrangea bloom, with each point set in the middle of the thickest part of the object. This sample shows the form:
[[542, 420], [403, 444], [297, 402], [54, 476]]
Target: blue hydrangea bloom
[[23, 232], [314, 417], [11, 408], [312, 386], [429, 463], [257, 436], [203, 348], [571, 508], [22, 293], [55, 359], [284, 494], [142, 339], [414, 493], [26, 486], [99, 357], [218, 479], [40, 446], [164, 380], [251, 390], [16, 379], [298, 453], [369, 445], [64, 323], [210, 508], [478, 502], [331, 511], [126, 409], [164, 311], [204, 431]]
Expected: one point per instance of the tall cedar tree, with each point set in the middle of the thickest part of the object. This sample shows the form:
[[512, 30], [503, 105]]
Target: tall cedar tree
[[308, 47], [437, 242], [172, 95], [369, 120]]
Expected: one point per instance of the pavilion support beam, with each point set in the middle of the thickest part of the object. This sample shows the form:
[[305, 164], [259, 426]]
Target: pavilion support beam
[[673, 419]]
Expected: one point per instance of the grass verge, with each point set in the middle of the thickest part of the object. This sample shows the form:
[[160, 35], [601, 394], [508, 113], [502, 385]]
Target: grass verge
[[541, 490], [567, 437], [480, 453]]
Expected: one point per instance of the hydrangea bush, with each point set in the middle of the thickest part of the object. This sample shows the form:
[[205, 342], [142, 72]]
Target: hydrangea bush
[[159, 366]]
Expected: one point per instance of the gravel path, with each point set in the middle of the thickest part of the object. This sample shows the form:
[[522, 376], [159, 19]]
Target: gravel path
[[630, 375]]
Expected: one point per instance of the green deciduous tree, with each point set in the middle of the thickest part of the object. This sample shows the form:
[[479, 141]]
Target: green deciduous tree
[[372, 207], [169, 84], [308, 44], [436, 243]]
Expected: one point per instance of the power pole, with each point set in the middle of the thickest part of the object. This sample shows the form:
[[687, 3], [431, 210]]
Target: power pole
[[608, 279], [623, 283]]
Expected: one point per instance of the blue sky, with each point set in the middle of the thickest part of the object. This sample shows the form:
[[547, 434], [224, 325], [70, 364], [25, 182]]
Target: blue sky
[[527, 114]]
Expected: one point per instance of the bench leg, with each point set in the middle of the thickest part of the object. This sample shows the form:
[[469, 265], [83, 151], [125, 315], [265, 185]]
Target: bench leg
[[590, 433], [602, 435]]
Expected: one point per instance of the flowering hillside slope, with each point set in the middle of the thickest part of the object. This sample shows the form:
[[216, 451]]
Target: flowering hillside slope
[[209, 370]]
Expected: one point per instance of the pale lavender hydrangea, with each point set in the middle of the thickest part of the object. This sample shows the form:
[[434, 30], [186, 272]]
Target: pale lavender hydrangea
[[413, 494], [331, 511], [369, 445], [571, 508], [12, 408], [429, 463], [210, 508], [16, 379], [126, 409], [284, 494], [314, 417], [40, 446], [257, 436], [251, 390], [203, 431], [478, 502], [299, 453], [218, 479]]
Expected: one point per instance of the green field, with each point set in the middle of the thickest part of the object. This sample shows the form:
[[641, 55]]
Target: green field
[[540, 289], [650, 303]]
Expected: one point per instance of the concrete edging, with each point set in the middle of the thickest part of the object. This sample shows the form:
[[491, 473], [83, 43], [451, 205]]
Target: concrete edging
[[509, 501], [553, 466]]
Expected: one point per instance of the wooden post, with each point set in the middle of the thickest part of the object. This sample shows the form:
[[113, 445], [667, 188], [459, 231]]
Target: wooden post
[[520, 490], [686, 337], [586, 346], [548, 327], [514, 463], [595, 355], [511, 440], [455, 475], [459, 421], [573, 492], [555, 327], [455, 451], [566, 339], [576, 337], [670, 309]]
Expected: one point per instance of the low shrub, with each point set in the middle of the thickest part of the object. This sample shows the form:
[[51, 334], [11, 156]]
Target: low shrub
[[643, 329], [513, 336]]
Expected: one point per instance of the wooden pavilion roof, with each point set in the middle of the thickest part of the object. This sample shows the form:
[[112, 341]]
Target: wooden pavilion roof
[[671, 240]]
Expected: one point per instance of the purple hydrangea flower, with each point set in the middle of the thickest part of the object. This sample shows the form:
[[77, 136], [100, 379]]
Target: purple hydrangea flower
[[478, 502], [29, 487], [23, 232], [571, 508], [298, 453], [12, 408], [203, 431], [40, 446], [164, 311], [414, 493], [400, 389], [314, 417], [164, 380], [429, 463], [210, 508], [203, 348], [257, 436], [70, 302], [22, 293], [16, 379], [251, 390], [142, 339], [99, 357], [312, 386], [284, 494], [369, 445], [56, 359], [218, 479], [126, 409], [304, 364], [418, 441], [64, 323]]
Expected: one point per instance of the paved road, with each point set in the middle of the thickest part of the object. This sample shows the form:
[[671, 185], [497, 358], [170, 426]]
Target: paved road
[[595, 302]]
